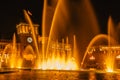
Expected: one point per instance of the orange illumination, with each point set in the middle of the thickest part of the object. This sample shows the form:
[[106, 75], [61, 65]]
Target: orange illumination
[[58, 64], [92, 58], [118, 57], [19, 63], [109, 63], [109, 70]]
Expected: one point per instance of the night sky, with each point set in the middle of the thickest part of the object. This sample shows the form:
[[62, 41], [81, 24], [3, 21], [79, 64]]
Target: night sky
[[105, 8], [11, 13]]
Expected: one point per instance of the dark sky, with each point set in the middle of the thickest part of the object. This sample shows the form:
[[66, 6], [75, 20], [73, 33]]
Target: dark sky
[[11, 13], [105, 8]]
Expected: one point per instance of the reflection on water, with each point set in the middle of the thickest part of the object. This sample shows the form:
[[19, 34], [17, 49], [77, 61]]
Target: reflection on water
[[58, 75]]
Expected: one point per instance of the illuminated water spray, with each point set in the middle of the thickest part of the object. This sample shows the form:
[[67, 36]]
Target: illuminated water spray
[[58, 57], [32, 30], [110, 55], [71, 30]]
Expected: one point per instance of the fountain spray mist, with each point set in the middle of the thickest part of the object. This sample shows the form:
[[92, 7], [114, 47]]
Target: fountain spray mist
[[92, 42], [14, 53], [47, 18], [75, 51], [110, 56], [43, 31], [33, 33]]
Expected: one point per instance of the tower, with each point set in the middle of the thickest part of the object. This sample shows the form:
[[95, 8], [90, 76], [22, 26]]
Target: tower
[[25, 37]]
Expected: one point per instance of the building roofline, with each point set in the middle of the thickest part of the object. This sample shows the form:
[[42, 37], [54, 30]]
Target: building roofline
[[23, 23]]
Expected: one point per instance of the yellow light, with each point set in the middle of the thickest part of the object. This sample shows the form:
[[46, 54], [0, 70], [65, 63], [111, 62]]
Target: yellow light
[[109, 70], [58, 64]]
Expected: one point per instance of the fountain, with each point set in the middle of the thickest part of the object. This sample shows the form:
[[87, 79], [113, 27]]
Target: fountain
[[105, 47], [60, 56], [71, 41], [56, 54], [71, 45]]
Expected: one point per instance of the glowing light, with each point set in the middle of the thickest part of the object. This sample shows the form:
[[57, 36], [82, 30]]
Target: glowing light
[[92, 58], [109, 63], [58, 64], [19, 63], [109, 70], [118, 57]]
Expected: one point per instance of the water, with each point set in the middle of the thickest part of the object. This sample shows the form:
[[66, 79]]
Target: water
[[71, 28], [68, 38], [97, 38], [57, 75]]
